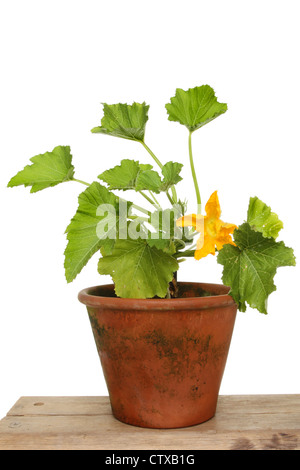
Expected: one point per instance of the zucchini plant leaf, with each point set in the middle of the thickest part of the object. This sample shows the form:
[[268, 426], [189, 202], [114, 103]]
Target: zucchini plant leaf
[[148, 179], [161, 243], [93, 226], [124, 120], [195, 107], [250, 266], [131, 174], [138, 270], [171, 176], [261, 219], [163, 221], [47, 170], [121, 176]]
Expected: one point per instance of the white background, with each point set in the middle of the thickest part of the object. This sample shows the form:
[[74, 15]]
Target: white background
[[59, 61]]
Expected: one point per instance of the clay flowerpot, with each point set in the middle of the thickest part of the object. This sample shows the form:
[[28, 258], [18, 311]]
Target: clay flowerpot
[[163, 359]]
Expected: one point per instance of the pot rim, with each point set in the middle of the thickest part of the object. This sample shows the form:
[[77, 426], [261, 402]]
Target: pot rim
[[223, 299]]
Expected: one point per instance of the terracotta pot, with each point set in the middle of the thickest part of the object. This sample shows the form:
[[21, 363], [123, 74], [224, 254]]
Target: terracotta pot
[[163, 359]]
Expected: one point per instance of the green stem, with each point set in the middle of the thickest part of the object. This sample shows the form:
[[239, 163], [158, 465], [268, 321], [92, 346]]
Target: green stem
[[152, 154], [154, 198], [141, 209], [173, 200], [80, 181], [184, 253], [174, 194], [138, 208], [198, 197], [134, 217], [147, 198], [170, 199]]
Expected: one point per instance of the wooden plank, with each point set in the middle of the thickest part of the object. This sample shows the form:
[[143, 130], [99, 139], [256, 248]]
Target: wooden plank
[[26, 406], [241, 422], [259, 403]]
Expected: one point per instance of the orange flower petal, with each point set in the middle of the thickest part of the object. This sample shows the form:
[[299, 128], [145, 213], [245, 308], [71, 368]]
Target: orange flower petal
[[205, 246], [200, 223], [212, 208], [214, 233], [224, 235], [228, 227], [187, 221], [220, 242]]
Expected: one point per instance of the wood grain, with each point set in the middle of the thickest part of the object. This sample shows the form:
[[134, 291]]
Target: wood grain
[[258, 422]]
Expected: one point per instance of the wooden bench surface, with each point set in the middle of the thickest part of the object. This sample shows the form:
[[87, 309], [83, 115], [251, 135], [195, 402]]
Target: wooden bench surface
[[68, 423]]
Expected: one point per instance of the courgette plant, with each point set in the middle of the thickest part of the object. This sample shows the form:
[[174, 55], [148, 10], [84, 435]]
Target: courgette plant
[[141, 248]]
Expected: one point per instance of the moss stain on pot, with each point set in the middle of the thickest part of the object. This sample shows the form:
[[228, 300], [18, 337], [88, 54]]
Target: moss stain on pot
[[177, 350]]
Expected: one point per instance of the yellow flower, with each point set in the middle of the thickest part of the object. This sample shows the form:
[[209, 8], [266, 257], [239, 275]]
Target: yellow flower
[[214, 233]]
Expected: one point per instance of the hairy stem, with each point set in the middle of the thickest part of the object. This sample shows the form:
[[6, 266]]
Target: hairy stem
[[198, 197], [148, 198], [80, 181], [173, 200], [152, 154], [140, 209], [170, 199], [187, 253], [154, 198]]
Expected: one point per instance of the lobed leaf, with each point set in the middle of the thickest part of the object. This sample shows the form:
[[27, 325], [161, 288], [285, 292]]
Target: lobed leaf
[[195, 107], [148, 180], [171, 176], [250, 266], [131, 174], [121, 176], [123, 120], [47, 170], [138, 270], [84, 228], [261, 219]]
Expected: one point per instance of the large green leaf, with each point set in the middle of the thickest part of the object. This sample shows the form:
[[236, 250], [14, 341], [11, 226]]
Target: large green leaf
[[250, 266], [131, 174], [138, 270], [195, 107], [121, 176], [48, 169], [123, 120], [261, 219], [92, 227]]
